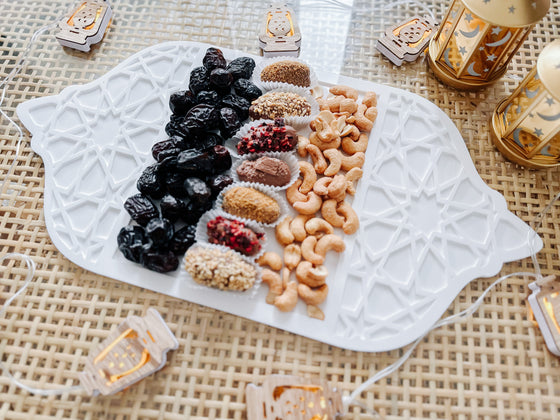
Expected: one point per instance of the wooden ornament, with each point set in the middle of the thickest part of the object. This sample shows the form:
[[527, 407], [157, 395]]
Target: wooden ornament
[[545, 304], [279, 34], [85, 26], [406, 40], [136, 349], [293, 398]]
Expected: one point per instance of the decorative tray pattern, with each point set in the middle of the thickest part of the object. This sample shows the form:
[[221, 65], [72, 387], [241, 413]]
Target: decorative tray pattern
[[429, 224]]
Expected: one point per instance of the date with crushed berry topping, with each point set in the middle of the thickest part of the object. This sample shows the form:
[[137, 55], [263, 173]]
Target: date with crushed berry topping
[[235, 235], [268, 137]]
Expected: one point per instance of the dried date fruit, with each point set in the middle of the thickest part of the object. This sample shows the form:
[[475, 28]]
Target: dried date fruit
[[199, 80], [198, 192], [238, 104], [160, 231], [166, 148], [201, 118], [246, 89], [208, 97], [221, 159], [172, 207], [218, 182], [194, 211], [176, 127], [194, 162], [174, 182], [229, 122], [220, 79], [180, 102], [183, 239], [210, 140], [241, 67], [151, 183], [162, 262], [213, 59], [141, 209], [133, 242]]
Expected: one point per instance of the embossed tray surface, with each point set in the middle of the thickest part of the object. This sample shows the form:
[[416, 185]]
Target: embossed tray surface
[[429, 224]]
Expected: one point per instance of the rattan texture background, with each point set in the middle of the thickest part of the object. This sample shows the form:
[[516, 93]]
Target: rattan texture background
[[493, 365]]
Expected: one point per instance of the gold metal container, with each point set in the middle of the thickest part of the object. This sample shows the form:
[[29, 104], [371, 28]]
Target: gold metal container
[[478, 38], [526, 125]]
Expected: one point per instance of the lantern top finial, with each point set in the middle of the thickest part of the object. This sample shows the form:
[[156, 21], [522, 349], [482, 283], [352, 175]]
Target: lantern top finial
[[548, 68], [509, 13]]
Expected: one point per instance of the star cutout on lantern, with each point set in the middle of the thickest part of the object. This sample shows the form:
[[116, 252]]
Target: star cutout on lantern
[[486, 70], [491, 57], [534, 4], [531, 115], [512, 9], [468, 17], [496, 30], [456, 33], [486, 1], [550, 101], [538, 132], [462, 50], [480, 48]]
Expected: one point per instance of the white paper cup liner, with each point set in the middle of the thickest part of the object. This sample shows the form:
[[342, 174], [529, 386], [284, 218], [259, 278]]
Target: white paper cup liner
[[259, 187], [231, 144], [268, 85], [299, 121], [202, 231], [234, 293], [287, 157]]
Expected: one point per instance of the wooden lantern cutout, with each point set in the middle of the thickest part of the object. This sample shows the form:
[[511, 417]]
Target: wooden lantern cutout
[[293, 398], [136, 349], [545, 304], [406, 40], [280, 34], [85, 26]]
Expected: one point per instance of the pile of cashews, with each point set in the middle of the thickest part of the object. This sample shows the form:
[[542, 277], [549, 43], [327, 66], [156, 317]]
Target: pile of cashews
[[342, 123]]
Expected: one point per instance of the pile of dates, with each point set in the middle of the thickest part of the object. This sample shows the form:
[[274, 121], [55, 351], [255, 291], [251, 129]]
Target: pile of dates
[[190, 166]]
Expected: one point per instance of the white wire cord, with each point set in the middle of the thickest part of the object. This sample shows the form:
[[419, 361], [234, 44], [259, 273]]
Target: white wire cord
[[30, 275]]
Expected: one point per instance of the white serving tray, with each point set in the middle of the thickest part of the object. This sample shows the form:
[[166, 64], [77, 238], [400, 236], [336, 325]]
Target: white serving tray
[[429, 224]]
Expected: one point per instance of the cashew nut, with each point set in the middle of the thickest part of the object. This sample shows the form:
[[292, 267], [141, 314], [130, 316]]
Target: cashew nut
[[270, 259], [292, 256], [371, 114], [308, 251], [313, 296], [351, 221], [353, 161], [337, 188], [311, 276], [333, 102], [317, 92], [351, 176], [283, 233], [348, 105], [315, 312], [286, 273], [321, 185], [323, 104], [311, 205], [335, 161], [324, 145], [274, 282], [328, 243], [324, 131], [323, 116], [287, 301], [317, 225], [309, 177], [350, 130], [362, 122], [302, 142], [293, 194], [345, 91], [360, 145], [297, 226], [328, 211], [319, 162], [370, 99]]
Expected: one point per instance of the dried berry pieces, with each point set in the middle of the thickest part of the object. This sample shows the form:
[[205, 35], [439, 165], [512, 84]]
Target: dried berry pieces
[[235, 235], [141, 209], [268, 137]]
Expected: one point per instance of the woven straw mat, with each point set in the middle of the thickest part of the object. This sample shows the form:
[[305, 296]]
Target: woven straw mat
[[493, 365]]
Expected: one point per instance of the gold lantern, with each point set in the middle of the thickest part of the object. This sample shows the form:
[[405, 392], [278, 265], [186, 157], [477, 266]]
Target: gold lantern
[[478, 38], [526, 125]]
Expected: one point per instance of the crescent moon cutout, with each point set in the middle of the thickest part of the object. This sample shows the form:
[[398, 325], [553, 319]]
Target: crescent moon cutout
[[549, 117], [505, 116], [471, 34], [516, 136], [446, 58], [531, 93], [471, 71], [501, 41]]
